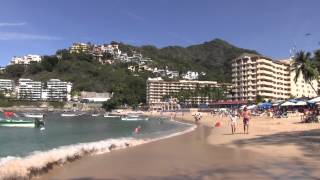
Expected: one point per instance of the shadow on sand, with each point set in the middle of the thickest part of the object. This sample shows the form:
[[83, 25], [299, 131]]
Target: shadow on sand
[[308, 141]]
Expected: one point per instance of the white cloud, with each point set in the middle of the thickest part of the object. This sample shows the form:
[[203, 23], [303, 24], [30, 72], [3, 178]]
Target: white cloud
[[25, 36], [3, 24]]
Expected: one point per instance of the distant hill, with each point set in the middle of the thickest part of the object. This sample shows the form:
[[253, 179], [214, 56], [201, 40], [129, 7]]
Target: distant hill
[[213, 57], [87, 74]]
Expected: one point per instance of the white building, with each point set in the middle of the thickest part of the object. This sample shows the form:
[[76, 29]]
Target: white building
[[57, 90], [6, 85], [26, 59], [94, 97], [157, 88], [254, 75], [302, 88], [79, 47], [172, 74], [29, 90], [190, 75]]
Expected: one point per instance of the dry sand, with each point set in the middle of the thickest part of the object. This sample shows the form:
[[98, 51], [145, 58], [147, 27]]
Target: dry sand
[[285, 137], [274, 149]]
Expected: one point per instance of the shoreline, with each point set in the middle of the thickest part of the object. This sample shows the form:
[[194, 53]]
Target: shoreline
[[268, 146], [188, 156], [41, 162], [208, 153]]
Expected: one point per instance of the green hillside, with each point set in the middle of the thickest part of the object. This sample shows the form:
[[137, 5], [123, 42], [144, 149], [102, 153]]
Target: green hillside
[[87, 74], [213, 57]]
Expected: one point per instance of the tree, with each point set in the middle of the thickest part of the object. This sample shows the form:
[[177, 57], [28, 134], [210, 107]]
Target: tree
[[15, 71], [111, 104], [304, 66], [49, 62], [259, 98]]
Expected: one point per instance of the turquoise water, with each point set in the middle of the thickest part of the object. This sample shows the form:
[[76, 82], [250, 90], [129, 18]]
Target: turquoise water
[[62, 131]]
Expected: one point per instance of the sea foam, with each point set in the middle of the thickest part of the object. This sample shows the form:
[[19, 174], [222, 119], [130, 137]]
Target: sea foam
[[41, 161]]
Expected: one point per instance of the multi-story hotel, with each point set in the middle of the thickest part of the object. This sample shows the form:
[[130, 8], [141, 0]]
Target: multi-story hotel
[[58, 90], [302, 88], [6, 85], [254, 75], [25, 59], [29, 90], [157, 88]]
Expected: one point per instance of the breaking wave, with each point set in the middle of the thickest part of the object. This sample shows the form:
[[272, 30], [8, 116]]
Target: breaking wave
[[42, 161]]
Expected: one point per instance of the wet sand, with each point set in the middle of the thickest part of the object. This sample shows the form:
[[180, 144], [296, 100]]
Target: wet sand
[[189, 156]]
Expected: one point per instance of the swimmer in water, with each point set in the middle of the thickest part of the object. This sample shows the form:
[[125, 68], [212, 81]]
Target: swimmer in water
[[137, 130]]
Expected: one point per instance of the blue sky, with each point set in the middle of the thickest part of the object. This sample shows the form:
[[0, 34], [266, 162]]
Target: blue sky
[[271, 27]]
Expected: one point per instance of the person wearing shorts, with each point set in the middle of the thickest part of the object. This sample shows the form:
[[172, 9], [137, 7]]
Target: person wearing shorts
[[233, 121], [246, 118]]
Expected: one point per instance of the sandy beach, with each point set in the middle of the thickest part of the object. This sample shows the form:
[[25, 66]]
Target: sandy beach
[[274, 149]]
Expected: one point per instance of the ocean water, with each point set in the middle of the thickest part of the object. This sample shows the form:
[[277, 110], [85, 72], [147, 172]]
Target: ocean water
[[23, 150]]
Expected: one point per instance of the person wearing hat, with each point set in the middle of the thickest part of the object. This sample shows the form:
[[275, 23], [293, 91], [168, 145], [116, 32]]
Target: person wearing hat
[[246, 117]]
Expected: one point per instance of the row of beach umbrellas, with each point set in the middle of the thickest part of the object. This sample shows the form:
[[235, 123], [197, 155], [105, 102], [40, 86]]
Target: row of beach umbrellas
[[291, 102]]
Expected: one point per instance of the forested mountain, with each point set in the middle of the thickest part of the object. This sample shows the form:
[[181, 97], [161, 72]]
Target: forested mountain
[[213, 58], [86, 73]]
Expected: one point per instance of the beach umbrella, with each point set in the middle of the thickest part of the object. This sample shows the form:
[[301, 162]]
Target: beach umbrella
[[277, 103], [301, 103], [253, 106], [293, 100], [314, 100], [288, 103], [242, 107], [265, 105]]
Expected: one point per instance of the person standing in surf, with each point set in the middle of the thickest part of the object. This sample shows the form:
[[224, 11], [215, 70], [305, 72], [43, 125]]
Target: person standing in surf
[[137, 130], [246, 117]]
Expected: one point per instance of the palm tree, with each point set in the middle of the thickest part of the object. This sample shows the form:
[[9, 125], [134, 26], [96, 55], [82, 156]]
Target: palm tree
[[304, 65]]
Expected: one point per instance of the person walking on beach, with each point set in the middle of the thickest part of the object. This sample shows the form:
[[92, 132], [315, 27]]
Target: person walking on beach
[[246, 117], [233, 121]]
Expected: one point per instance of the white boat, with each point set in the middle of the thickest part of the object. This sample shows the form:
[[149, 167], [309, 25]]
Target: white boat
[[95, 115], [33, 115], [134, 118], [109, 115], [69, 114], [17, 123]]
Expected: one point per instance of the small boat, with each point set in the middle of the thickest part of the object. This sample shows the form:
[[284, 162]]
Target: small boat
[[33, 115], [17, 123], [134, 118], [69, 114], [109, 115], [95, 115]]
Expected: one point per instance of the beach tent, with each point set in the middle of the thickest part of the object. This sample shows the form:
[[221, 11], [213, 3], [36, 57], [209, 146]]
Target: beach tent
[[314, 100], [265, 105], [288, 103]]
